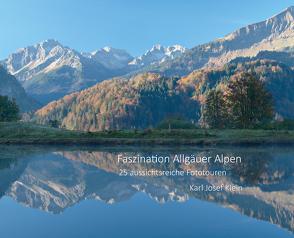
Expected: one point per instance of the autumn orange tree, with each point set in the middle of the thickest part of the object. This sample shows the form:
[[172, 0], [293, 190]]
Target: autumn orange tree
[[243, 103]]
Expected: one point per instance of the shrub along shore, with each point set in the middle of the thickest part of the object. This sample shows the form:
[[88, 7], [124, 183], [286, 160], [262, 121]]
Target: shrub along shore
[[28, 133]]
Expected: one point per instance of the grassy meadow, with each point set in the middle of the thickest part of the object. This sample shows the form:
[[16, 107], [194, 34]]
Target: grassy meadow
[[29, 133]]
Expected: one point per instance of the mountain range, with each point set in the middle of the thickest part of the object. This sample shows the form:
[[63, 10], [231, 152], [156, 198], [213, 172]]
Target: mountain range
[[50, 71], [158, 54], [273, 34]]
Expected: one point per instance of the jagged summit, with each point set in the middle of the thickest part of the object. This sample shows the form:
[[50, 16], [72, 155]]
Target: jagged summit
[[270, 28], [158, 54], [46, 44], [40, 58], [50, 42], [48, 70], [107, 48], [156, 47], [110, 57]]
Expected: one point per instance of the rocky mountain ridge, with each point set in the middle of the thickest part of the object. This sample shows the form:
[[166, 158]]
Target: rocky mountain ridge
[[273, 34]]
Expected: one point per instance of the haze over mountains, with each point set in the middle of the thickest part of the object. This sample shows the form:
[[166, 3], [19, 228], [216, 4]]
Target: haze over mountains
[[49, 71]]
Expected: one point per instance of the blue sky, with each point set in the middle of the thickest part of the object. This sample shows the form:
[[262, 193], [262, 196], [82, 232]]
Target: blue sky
[[133, 25]]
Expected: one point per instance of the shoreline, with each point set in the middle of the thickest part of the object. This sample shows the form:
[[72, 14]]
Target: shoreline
[[20, 133], [148, 142]]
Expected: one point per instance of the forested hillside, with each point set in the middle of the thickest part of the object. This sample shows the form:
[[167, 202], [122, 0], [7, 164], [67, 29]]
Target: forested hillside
[[278, 79], [146, 99], [140, 102]]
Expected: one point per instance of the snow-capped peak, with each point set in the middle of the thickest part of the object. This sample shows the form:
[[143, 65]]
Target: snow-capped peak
[[48, 45], [174, 48], [157, 47], [158, 54], [107, 49], [50, 42], [111, 58], [40, 58]]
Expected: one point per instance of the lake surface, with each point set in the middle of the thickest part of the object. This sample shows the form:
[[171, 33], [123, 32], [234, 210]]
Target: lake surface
[[78, 192]]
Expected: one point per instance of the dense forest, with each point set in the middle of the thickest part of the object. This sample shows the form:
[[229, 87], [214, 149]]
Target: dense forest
[[277, 77], [146, 99], [139, 102]]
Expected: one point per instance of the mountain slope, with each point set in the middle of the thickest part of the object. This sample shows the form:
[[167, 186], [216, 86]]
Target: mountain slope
[[49, 70], [278, 78], [140, 102], [9, 86], [146, 99], [283, 57], [275, 33], [40, 58]]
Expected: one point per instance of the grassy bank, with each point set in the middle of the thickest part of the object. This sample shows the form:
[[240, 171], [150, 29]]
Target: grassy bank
[[27, 133]]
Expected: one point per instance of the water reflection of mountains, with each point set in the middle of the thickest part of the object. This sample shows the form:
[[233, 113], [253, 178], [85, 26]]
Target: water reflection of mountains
[[56, 179]]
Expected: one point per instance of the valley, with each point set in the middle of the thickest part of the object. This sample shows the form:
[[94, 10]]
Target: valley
[[147, 119], [109, 89]]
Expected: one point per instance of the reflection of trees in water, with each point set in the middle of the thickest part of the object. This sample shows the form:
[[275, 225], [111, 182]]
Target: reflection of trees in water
[[262, 168], [94, 175], [6, 164], [12, 164], [258, 166], [250, 171], [13, 161]]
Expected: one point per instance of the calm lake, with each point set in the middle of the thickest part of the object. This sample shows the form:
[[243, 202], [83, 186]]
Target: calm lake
[[73, 192]]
